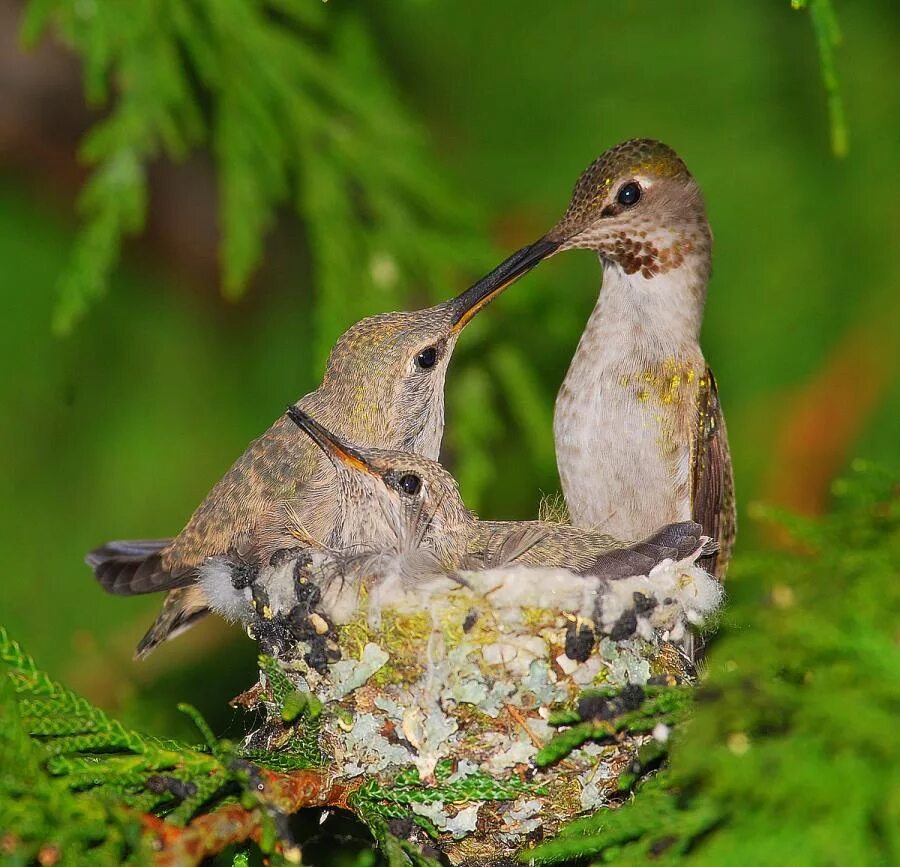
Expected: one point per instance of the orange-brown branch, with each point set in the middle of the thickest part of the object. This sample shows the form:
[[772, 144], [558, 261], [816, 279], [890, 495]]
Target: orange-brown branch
[[209, 834]]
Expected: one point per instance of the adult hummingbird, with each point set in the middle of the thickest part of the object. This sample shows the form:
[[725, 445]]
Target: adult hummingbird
[[383, 386], [406, 508], [638, 428]]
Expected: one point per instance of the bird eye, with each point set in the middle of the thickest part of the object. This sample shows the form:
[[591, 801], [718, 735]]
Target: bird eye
[[409, 484], [427, 358], [629, 195]]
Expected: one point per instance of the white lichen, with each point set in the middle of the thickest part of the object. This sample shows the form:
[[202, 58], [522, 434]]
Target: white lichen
[[592, 796], [542, 683], [519, 752], [521, 818], [476, 678], [459, 825], [624, 662], [349, 674], [368, 751]]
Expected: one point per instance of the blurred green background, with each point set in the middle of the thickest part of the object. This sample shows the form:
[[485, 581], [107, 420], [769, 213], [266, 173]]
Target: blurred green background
[[120, 428]]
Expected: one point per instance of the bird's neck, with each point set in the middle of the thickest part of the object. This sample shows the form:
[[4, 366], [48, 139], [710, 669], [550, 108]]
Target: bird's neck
[[656, 316], [380, 418]]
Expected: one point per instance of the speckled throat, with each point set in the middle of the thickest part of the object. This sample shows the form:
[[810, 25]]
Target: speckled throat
[[626, 411]]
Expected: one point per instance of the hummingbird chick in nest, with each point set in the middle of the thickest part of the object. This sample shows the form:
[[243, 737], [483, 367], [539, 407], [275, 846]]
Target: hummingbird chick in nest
[[639, 432], [402, 527], [403, 512], [383, 386]]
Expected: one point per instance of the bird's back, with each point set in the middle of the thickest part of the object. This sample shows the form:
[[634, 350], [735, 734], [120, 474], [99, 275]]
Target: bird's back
[[539, 543], [270, 471], [550, 545]]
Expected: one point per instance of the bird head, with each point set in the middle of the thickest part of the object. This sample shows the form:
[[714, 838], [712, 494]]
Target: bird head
[[640, 209], [385, 375], [392, 500]]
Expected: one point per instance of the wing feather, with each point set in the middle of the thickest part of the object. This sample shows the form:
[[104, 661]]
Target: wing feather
[[712, 481]]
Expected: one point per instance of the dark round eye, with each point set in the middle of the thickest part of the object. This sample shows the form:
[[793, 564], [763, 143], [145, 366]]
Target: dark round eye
[[629, 195], [427, 358], [409, 484]]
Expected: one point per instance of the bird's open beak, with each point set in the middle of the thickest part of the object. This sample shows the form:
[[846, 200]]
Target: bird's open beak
[[491, 285], [335, 448]]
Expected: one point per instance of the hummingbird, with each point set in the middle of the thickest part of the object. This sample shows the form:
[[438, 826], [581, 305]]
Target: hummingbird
[[400, 524], [638, 427], [383, 386], [405, 507], [408, 525]]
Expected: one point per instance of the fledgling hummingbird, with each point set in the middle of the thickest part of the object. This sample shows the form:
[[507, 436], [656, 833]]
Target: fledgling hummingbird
[[401, 526], [639, 432], [383, 386], [404, 507]]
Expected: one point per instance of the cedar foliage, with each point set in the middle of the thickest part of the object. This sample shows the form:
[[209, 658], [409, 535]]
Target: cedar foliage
[[791, 755], [75, 781], [295, 107], [291, 101], [828, 37], [788, 748], [296, 110], [293, 104]]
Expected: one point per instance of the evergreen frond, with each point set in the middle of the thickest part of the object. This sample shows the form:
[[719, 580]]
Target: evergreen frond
[[828, 37], [792, 746], [45, 817], [78, 785], [317, 127], [82, 745], [603, 714]]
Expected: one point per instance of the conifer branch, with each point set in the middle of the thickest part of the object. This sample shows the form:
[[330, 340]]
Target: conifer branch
[[791, 744], [828, 37], [316, 127]]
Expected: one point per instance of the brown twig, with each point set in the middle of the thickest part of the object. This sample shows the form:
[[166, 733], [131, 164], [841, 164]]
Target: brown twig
[[209, 834], [523, 723]]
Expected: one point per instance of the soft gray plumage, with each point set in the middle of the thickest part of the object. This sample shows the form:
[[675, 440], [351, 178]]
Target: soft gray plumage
[[383, 386], [639, 431], [640, 436]]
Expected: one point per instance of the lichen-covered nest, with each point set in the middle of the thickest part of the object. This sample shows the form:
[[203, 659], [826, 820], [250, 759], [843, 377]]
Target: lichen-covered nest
[[480, 711]]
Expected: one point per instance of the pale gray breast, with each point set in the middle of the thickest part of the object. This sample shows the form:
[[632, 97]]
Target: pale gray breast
[[622, 433]]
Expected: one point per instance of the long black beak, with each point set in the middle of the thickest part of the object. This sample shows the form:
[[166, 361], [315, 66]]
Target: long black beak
[[491, 285], [334, 447]]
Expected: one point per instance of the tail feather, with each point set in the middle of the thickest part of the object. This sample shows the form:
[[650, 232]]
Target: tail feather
[[682, 537], [132, 567], [181, 610], [710, 559]]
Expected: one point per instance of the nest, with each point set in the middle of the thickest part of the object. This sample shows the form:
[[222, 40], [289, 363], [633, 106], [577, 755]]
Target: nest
[[450, 703]]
